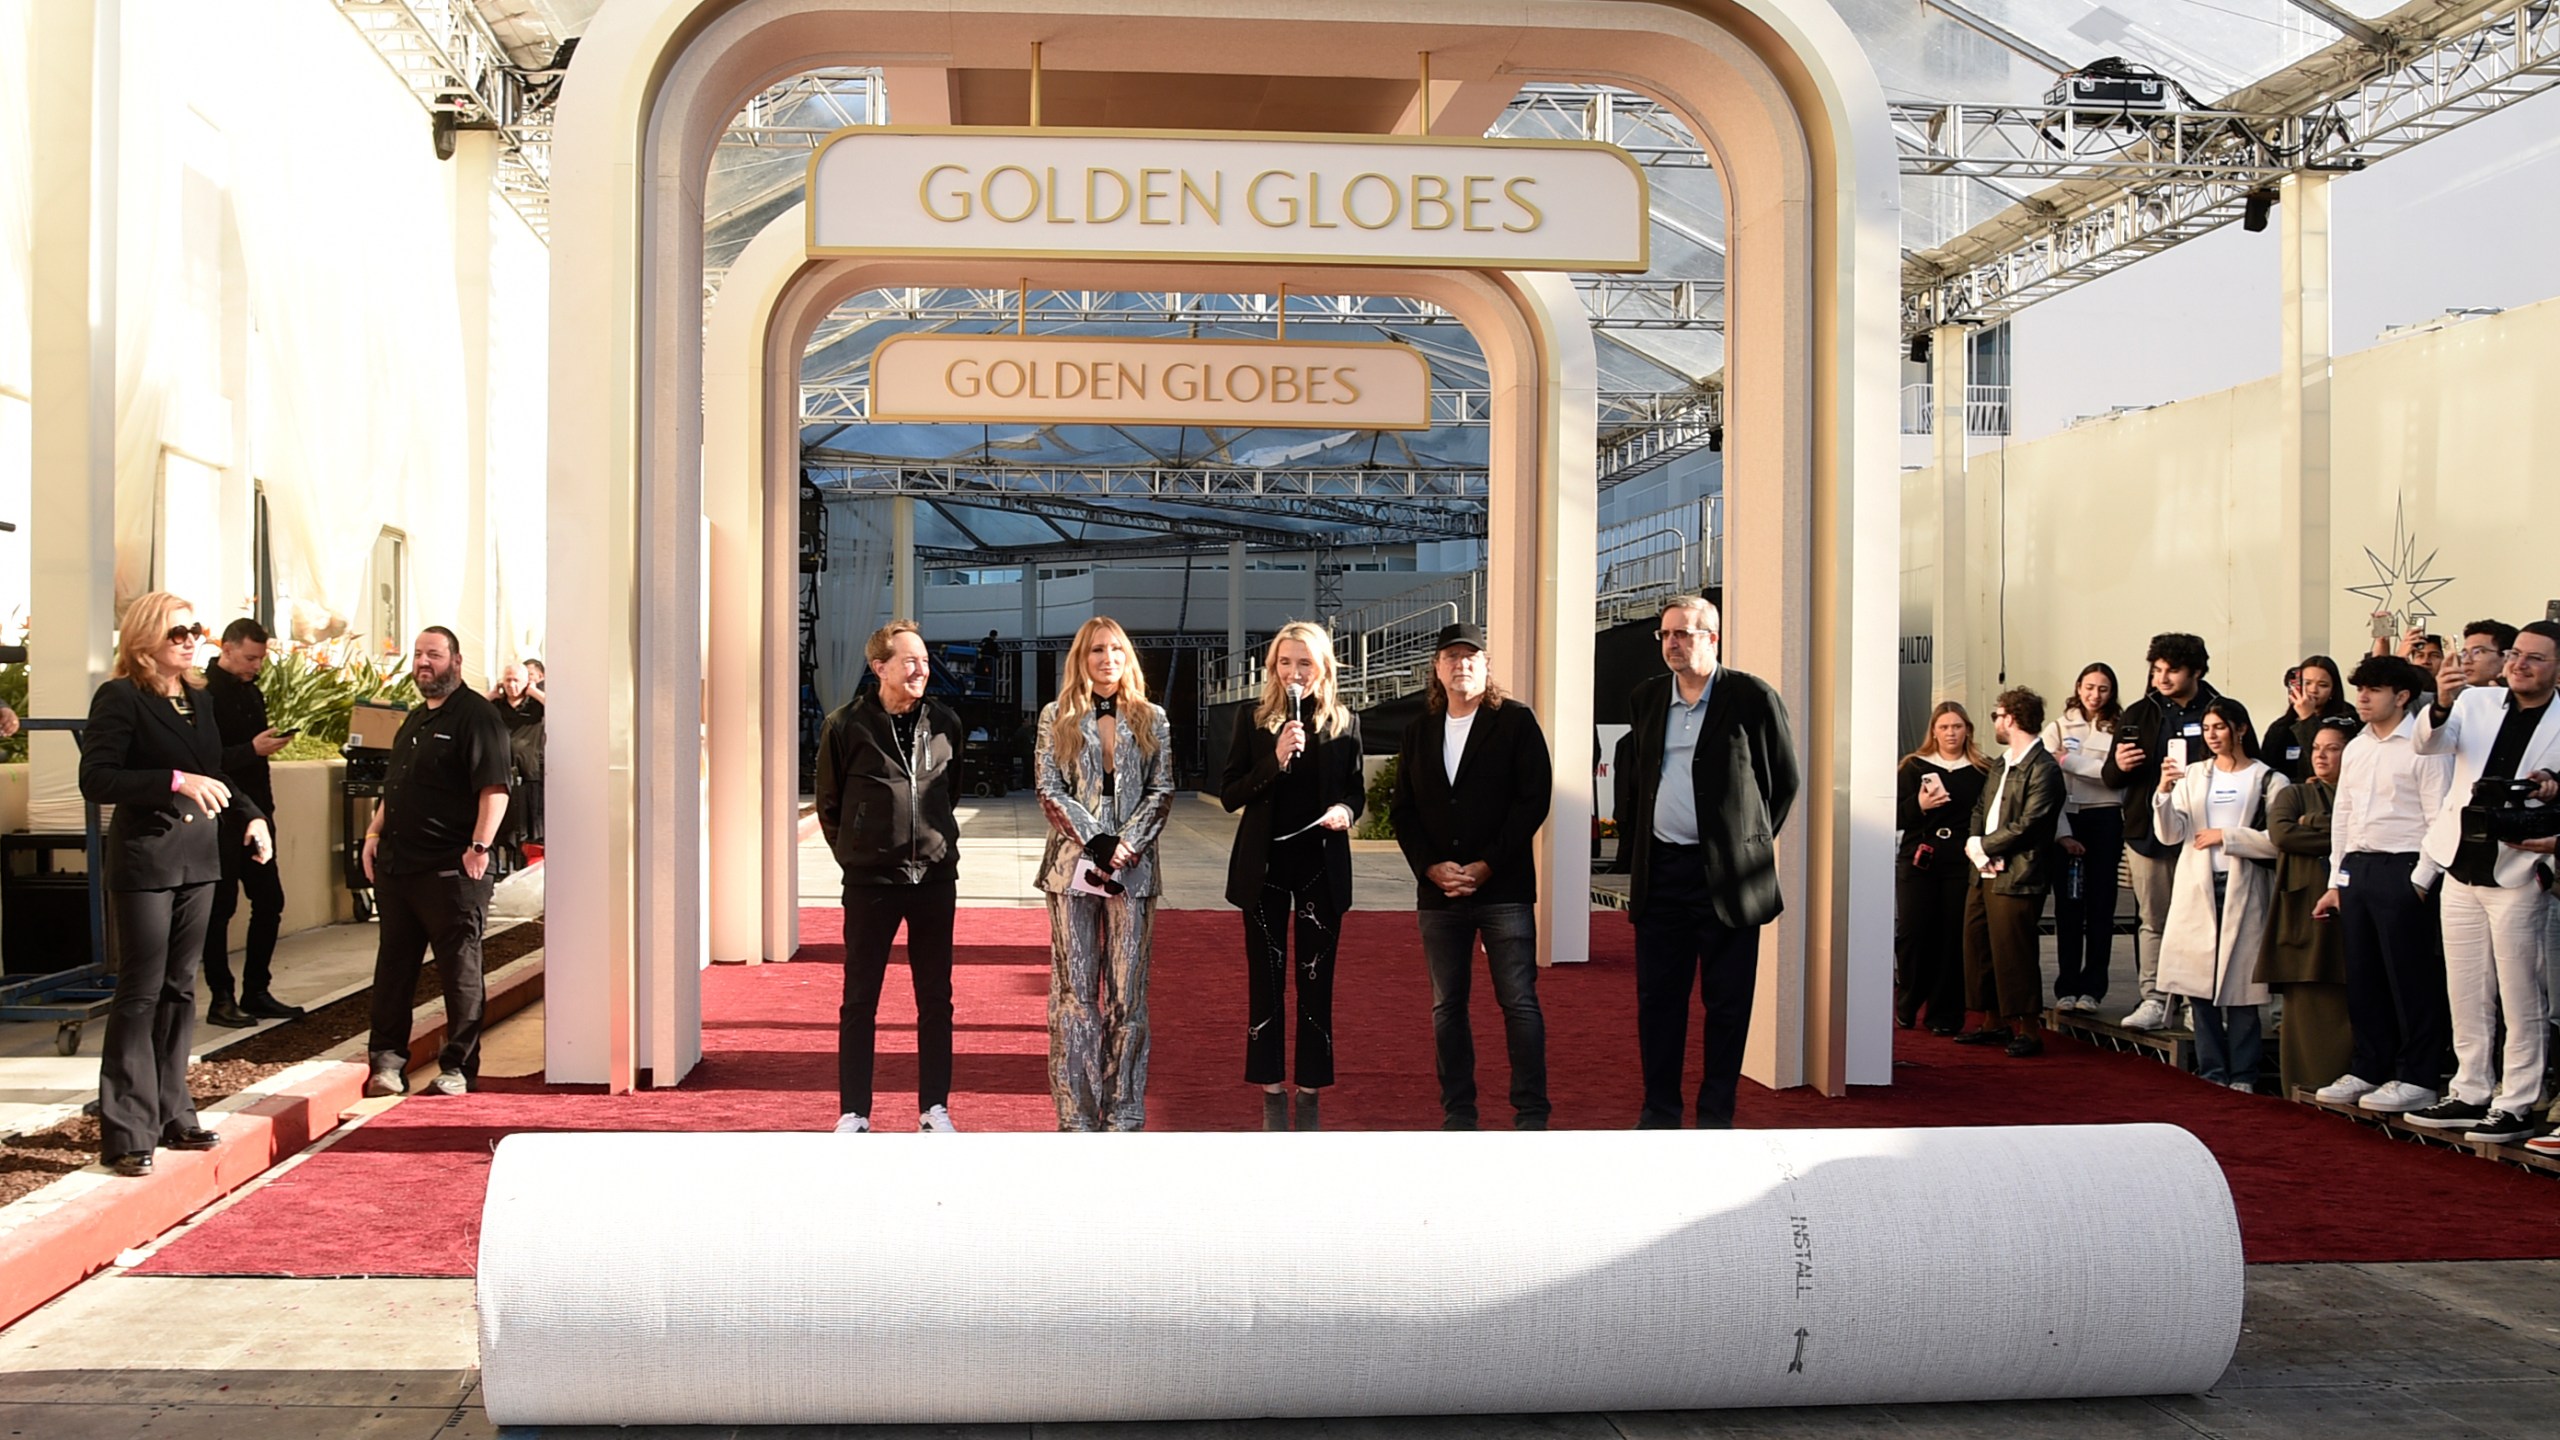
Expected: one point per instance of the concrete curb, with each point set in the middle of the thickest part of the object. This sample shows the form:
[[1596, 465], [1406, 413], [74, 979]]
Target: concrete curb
[[61, 1235]]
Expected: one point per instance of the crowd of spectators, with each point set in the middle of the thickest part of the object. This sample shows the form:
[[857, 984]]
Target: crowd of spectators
[[2377, 861]]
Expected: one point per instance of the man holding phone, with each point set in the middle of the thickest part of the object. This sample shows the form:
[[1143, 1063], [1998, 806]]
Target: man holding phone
[[240, 719], [2166, 721]]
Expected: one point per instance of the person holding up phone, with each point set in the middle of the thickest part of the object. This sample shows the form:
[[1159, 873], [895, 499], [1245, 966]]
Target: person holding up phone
[[1106, 783], [2314, 695], [2215, 812], [1934, 792], [2169, 719]]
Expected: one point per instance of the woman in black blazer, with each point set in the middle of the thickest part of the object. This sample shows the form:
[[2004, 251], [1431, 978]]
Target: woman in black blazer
[[1294, 770], [151, 750]]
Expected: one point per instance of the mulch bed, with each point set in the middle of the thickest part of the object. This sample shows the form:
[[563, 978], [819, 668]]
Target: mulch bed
[[30, 1162]]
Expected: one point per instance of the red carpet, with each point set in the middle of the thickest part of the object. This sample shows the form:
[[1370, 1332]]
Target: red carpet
[[401, 1195]]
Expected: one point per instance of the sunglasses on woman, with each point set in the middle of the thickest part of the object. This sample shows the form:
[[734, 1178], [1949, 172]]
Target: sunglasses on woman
[[187, 632]]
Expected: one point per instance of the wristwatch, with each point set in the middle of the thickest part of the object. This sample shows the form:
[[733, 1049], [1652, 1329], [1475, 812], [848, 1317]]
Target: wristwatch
[[479, 849]]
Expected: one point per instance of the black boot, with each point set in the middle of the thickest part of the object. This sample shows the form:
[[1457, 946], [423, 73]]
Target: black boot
[[227, 1014], [1307, 1110], [1275, 1109], [268, 1007]]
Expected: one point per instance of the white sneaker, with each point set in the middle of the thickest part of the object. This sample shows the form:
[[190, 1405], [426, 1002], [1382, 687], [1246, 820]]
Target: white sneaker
[[936, 1121], [2245, 1087], [2149, 1015], [853, 1125], [387, 1081], [2345, 1090], [2088, 1005], [2398, 1097], [450, 1083]]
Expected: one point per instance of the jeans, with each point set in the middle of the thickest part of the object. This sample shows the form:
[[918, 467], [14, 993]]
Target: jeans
[[872, 914], [1510, 934], [2227, 1041]]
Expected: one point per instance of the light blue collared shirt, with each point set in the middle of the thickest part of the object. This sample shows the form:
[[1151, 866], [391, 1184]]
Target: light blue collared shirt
[[1675, 799]]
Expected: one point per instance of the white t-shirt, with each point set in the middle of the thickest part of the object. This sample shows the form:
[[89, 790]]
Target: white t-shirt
[[1453, 741], [2229, 799]]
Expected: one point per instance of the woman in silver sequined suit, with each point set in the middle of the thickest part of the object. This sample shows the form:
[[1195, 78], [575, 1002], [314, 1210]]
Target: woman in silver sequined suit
[[1106, 781]]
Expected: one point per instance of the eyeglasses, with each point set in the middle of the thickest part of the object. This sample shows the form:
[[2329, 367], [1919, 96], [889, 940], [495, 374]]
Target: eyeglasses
[[2523, 657], [186, 632], [1690, 637], [2483, 652]]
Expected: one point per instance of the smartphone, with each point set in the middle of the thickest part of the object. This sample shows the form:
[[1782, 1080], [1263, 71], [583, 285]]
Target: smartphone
[[2385, 627], [2551, 611], [288, 734]]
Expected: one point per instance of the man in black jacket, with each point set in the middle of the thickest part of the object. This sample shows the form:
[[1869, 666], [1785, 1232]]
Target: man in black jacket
[[888, 801], [1711, 775], [2172, 713], [240, 717], [1472, 787], [2014, 855]]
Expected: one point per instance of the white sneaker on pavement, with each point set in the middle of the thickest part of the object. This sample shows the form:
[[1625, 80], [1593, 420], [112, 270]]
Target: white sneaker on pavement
[[2398, 1097], [936, 1121], [2345, 1090], [2149, 1015], [853, 1125]]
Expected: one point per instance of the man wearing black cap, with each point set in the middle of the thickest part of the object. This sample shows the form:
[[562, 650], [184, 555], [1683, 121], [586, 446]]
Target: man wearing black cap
[[1472, 786], [1711, 775]]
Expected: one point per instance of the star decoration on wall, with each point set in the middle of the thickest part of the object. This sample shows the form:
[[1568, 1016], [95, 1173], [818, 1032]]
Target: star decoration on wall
[[2401, 583]]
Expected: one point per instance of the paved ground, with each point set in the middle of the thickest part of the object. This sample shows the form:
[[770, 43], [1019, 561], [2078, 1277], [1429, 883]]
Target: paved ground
[[2331, 1352]]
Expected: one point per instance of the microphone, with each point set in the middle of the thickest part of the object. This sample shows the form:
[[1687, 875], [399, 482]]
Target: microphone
[[1297, 702]]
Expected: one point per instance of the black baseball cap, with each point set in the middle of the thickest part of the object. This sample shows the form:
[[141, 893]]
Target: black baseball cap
[[1460, 633]]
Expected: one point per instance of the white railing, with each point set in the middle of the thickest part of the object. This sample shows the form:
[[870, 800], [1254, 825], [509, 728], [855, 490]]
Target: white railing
[[1647, 560], [1986, 409], [1379, 649]]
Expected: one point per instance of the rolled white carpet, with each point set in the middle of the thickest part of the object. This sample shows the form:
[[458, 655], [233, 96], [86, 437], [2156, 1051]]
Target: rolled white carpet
[[779, 1278]]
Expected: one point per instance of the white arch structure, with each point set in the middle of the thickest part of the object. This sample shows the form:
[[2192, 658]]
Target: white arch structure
[[645, 827]]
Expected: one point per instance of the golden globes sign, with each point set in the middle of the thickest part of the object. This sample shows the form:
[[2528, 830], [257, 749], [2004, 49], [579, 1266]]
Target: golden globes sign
[[1077, 379], [1235, 197]]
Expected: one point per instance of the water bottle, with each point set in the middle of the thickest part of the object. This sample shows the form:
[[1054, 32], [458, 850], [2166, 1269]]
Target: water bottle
[[2071, 880]]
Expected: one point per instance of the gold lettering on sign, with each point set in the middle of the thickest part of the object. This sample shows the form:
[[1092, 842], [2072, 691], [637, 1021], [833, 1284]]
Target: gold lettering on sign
[[1437, 199], [987, 195], [924, 195], [1475, 201], [1511, 189], [1351, 201], [1148, 195], [1253, 200], [1093, 196], [1213, 203]]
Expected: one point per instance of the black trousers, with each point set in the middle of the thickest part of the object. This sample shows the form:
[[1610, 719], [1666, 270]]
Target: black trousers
[[1928, 941], [2003, 977], [1680, 947], [142, 1074], [2396, 1003], [872, 915], [446, 911], [2084, 929], [1267, 926], [265, 887]]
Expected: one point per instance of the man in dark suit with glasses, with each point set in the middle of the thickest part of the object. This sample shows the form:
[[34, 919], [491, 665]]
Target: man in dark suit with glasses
[[1711, 775]]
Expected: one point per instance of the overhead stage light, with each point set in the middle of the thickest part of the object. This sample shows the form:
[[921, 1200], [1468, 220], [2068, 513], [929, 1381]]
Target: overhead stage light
[[2254, 211]]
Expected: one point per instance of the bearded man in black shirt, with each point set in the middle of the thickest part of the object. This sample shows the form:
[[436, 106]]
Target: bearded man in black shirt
[[427, 854]]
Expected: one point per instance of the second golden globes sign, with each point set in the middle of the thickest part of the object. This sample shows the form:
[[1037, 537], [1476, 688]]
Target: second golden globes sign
[[1080, 379]]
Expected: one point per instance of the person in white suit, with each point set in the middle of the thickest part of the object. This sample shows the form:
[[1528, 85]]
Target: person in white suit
[[2493, 904], [2222, 899]]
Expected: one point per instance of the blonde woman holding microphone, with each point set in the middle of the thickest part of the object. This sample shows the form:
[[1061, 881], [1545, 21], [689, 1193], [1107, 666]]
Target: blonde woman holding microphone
[[1106, 780], [1293, 768]]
